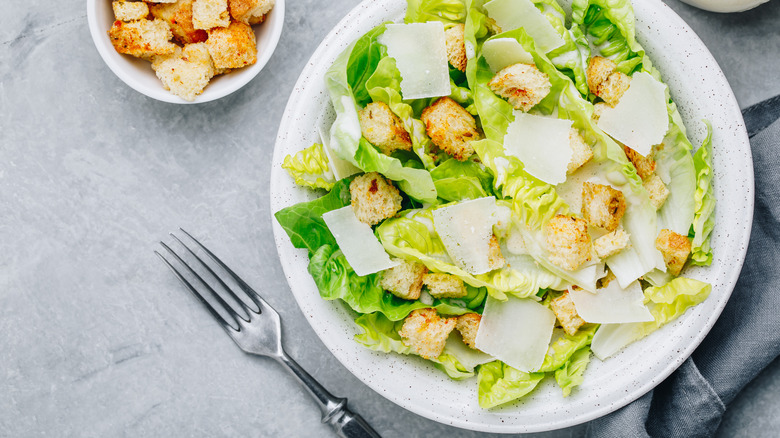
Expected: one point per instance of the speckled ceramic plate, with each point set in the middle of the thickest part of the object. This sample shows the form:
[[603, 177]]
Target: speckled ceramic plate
[[700, 90]]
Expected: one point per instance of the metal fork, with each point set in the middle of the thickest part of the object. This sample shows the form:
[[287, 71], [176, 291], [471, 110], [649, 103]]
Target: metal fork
[[260, 333]]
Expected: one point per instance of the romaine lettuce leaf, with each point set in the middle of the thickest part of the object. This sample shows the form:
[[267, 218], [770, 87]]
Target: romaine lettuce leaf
[[460, 180], [309, 168], [704, 219], [446, 11], [498, 383], [609, 26], [572, 374]]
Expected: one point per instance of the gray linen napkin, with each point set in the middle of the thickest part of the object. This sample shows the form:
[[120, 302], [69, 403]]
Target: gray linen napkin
[[744, 340]]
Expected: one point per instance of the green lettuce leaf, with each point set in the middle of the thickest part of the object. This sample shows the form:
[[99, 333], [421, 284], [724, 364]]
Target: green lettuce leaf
[[704, 219], [572, 374], [309, 168], [446, 11], [459, 180], [609, 26], [564, 346], [498, 383]]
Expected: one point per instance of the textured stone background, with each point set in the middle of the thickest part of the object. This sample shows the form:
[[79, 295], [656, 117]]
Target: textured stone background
[[96, 337]]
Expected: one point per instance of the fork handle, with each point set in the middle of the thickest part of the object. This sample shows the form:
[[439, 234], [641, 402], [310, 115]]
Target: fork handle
[[335, 412]]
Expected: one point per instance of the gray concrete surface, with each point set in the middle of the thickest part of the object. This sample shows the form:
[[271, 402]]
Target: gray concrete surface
[[98, 339]]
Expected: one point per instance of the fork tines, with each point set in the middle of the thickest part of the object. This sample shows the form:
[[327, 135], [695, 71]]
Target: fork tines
[[231, 320]]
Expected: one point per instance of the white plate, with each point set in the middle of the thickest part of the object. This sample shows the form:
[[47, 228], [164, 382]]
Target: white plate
[[700, 90]]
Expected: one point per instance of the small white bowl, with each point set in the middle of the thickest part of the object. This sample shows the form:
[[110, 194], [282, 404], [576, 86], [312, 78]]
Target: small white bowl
[[725, 5], [138, 73]]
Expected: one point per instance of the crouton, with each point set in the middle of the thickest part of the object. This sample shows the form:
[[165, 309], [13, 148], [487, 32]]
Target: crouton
[[523, 85], [581, 152], [451, 128], [142, 38], [374, 198], [130, 11], [611, 243], [186, 72], [178, 15], [599, 69], [598, 110], [568, 241], [426, 332], [602, 206], [250, 11], [496, 260], [675, 248], [645, 166], [456, 46], [564, 310], [657, 190], [207, 14], [405, 280], [233, 46], [468, 325], [444, 285], [384, 129]]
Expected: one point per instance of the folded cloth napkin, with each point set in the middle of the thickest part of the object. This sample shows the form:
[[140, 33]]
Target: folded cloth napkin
[[744, 340]]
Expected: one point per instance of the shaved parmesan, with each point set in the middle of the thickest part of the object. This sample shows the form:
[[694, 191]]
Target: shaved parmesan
[[612, 304], [420, 53], [611, 338], [516, 331], [639, 120], [513, 14], [357, 241], [465, 230], [542, 144], [503, 52], [467, 356]]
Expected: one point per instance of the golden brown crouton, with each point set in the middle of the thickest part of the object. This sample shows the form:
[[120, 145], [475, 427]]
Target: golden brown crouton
[[405, 280], [233, 46], [614, 87], [599, 69], [611, 243], [496, 260], [564, 310], [604, 81], [657, 190], [374, 198], [142, 38], [568, 241], [426, 332], [178, 15], [645, 166], [675, 248], [210, 13], [384, 129], [129, 11], [468, 325], [186, 72], [250, 11], [456, 46], [581, 152], [523, 85], [451, 127], [444, 285], [602, 206]]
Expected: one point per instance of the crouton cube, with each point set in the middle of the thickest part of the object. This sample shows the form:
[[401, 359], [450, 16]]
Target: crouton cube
[[186, 72], [614, 87], [178, 15], [602, 206], [444, 285], [405, 280], [581, 152], [657, 190], [451, 128], [675, 248], [374, 198], [468, 325], [645, 166], [250, 11], [130, 11], [611, 243], [426, 332], [207, 14], [496, 259], [384, 129], [456, 46], [564, 310], [599, 69], [142, 38], [568, 241], [523, 85], [233, 46]]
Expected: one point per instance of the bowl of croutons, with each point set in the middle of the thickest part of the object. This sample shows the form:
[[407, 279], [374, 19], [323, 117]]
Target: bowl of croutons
[[186, 51]]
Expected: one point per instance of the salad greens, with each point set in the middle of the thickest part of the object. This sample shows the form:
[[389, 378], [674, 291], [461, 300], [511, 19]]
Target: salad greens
[[429, 179]]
